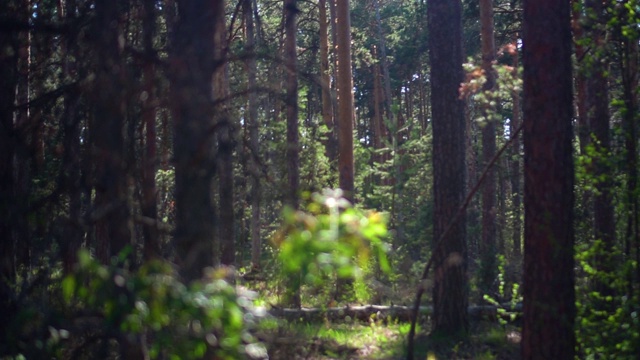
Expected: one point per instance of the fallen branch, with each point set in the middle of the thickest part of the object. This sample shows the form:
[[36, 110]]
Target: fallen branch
[[380, 312]]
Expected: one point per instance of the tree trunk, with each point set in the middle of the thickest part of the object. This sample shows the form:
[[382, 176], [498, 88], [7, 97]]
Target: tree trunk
[[71, 163], [325, 83], [225, 141], [194, 134], [450, 292], [629, 65], [514, 164], [548, 290], [488, 267], [254, 140], [345, 100], [293, 146], [598, 113], [149, 204], [111, 204], [290, 55]]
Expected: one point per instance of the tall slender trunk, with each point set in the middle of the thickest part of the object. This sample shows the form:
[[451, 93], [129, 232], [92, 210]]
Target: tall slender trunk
[[225, 140], [254, 140], [293, 145], [149, 204], [71, 158], [194, 134], [598, 113], [516, 196], [325, 83], [378, 124], [628, 49], [111, 204], [345, 100], [290, 55], [488, 268], [450, 291]]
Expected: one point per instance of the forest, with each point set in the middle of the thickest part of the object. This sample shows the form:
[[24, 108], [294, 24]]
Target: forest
[[319, 179]]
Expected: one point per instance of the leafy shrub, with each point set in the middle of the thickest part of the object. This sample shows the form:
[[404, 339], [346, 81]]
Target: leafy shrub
[[179, 321], [608, 327], [330, 238]]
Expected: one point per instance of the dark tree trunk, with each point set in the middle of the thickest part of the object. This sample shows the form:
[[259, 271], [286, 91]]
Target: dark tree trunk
[[149, 204], [291, 63], [225, 142], [327, 101], [450, 292], [254, 133], [111, 205], [598, 119], [194, 134], [629, 54], [9, 75], [345, 100], [293, 145], [515, 169], [548, 289], [488, 267], [71, 163]]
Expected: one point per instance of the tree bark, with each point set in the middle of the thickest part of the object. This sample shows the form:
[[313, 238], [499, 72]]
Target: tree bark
[[598, 119], [293, 144], [345, 100], [488, 267], [192, 62], [450, 294], [225, 140], [254, 140], [149, 204], [514, 164], [325, 83], [111, 209], [548, 288]]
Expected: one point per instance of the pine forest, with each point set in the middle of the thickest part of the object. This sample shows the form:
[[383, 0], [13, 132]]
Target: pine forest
[[319, 179]]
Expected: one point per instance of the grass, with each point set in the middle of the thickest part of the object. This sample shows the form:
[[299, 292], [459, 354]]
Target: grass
[[380, 341]]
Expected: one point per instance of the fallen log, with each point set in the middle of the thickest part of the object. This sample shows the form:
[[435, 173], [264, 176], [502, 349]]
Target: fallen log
[[381, 312]]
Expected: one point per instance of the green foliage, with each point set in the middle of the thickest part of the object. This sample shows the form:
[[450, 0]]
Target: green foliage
[[330, 238], [180, 321], [507, 84], [608, 325], [506, 312]]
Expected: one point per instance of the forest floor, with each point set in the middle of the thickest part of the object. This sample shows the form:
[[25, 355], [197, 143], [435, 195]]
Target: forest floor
[[376, 340], [379, 339]]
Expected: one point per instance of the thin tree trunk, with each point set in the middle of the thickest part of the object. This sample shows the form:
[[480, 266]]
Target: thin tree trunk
[[629, 65], [516, 196], [293, 146], [291, 54], [378, 123], [345, 100], [225, 141], [488, 267], [71, 163], [325, 83], [9, 75], [149, 204], [111, 205], [598, 113], [254, 140]]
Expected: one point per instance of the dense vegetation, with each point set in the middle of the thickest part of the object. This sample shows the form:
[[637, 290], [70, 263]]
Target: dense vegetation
[[166, 166]]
